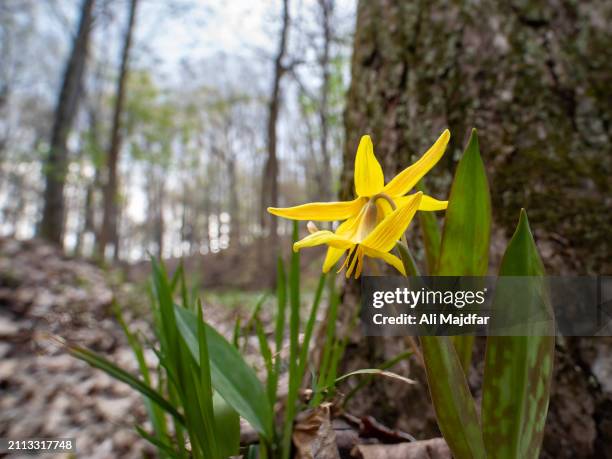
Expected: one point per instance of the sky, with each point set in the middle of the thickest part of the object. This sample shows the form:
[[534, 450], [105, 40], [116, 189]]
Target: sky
[[205, 28]]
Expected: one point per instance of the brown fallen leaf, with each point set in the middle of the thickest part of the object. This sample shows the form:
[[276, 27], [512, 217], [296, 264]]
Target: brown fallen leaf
[[435, 448], [313, 435]]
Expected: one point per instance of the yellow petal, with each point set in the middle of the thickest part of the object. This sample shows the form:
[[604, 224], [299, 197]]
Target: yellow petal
[[358, 227], [347, 227], [403, 182], [323, 237], [387, 232], [427, 203], [332, 257], [320, 211], [369, 178], [387, 258]]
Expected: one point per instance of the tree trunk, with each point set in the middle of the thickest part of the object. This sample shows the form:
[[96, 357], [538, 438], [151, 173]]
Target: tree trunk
[[536, 81], [108, 232], [51, 226], [234, 201], [327, 8], [269, 188]]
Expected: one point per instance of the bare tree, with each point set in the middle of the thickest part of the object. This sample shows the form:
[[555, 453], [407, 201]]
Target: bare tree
[[269, 188], [327, 9], [51, 226], [109, 232]]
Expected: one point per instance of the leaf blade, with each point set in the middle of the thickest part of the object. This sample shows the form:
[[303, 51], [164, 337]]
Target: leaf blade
[[513, 421], [235, 381], [464, 248], [453, 403]]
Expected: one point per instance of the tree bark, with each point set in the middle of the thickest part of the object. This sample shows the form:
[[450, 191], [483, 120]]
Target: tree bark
[[51, 226], [327, 9], [536, 81], [109, 232], [269, 188]]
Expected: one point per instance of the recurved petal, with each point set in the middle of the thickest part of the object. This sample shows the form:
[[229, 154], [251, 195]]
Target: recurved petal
[[403, 182], [323, 237], [387, 258], [427, 202], [332, 257], [369, 178], [387, 232], [319, 211]]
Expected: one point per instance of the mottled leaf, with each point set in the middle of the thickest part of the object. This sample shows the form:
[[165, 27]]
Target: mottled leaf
[[518, 369], [451, 397]]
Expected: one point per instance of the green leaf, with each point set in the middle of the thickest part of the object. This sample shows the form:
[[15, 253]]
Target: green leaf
[[294, 331], [303, 360], [227, 424], [162, 446], [156, 415], [266, 353], [453, 403], [281, 299], [279, 327], [236, 333], [235, 381], [467, 229], [327, 367], [464, 345], [205, 393], [518, 369], [451, 397], [467, 224]]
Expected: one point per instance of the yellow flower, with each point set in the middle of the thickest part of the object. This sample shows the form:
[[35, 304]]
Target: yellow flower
[[377, 218]]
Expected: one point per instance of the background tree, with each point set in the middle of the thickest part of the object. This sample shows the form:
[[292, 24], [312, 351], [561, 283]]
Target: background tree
[[56, 165], [109, 233], [269, 187], [326, 12]]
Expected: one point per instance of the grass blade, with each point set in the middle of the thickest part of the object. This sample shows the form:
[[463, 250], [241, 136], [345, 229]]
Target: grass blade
[[310, 327], [161, 445], [294, 330], [330, 340], [155, 413], [385, 366], [376, 371], [205, 394], [266, 353]]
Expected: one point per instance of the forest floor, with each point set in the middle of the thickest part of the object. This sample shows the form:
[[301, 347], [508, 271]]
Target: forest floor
[[44, 392]]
